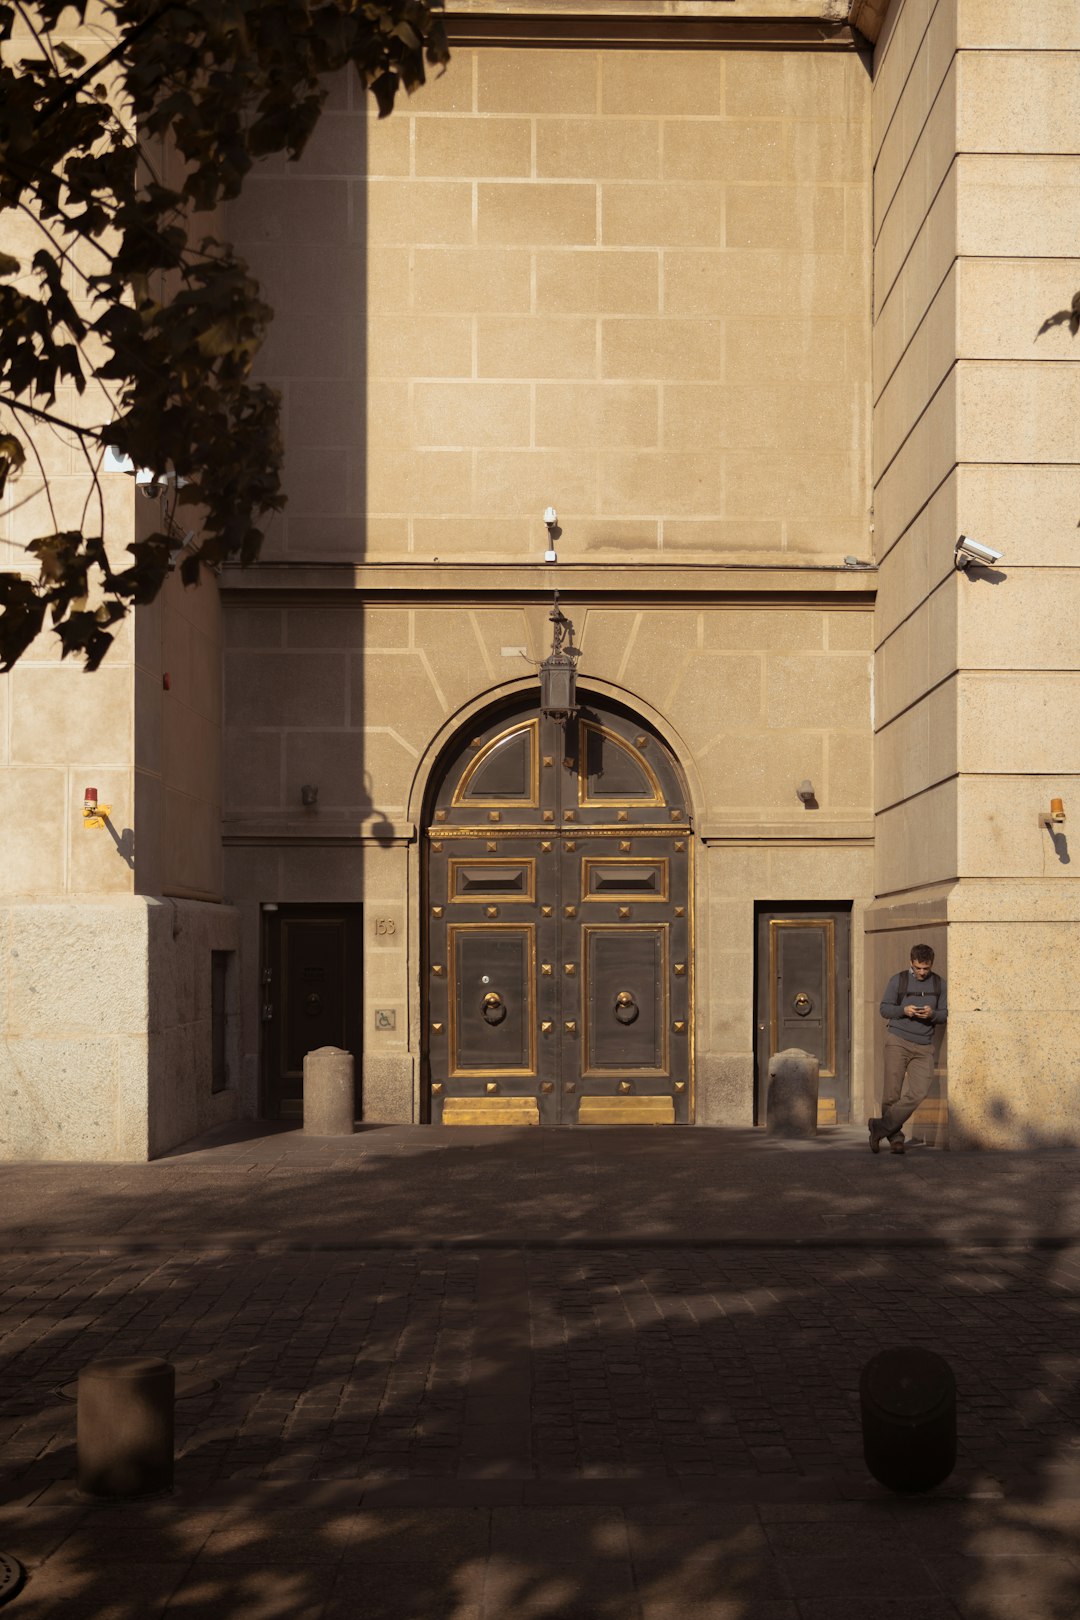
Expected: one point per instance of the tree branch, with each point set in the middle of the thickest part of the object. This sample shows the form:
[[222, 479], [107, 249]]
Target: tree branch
[[74, 86], [46, 416]]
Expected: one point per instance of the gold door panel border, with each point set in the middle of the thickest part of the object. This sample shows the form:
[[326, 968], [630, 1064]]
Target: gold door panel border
[[664, 931], [453, 931], [642, 898], [485, 753], [446, 831], [827, 925], [587, 726], [527, 896]]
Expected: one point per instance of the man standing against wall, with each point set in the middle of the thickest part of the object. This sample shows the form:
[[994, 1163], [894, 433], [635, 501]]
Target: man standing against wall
[[913, 1002]]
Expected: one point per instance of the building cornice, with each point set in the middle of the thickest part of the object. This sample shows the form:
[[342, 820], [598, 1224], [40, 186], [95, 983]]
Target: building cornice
[[652, 24], [753, 584], [867, 16]]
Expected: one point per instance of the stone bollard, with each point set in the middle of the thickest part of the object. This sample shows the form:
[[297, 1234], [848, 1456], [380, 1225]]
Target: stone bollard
[[124, 1426], [908, 1402], [328, 1092], [792, 1102]]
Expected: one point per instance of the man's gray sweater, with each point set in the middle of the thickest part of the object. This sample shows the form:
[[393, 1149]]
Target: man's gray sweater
[[905, 990]]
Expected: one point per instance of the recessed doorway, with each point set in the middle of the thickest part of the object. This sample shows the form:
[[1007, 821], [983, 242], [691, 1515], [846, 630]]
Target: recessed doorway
[[803, 973], [558, 978], [312, 996]]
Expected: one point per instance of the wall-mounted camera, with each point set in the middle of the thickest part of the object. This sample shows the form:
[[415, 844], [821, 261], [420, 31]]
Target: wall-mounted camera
[[970, 551]]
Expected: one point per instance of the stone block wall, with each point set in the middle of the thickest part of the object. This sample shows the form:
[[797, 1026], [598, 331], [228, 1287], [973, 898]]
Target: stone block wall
[[629, 284], [358, 700], [105, 1045], [975, 431]]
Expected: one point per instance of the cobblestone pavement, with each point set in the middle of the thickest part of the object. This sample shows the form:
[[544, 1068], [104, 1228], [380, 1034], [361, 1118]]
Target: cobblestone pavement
[[532, 1365], [427, 1185], [493, 1379]]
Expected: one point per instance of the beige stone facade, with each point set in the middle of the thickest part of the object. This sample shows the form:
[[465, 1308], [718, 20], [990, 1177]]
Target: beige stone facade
[[976, 431], [753, 306]]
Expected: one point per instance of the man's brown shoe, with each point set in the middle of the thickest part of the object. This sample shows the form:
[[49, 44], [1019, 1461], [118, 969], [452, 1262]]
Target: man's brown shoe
[[896, 1143], [878, 1134]]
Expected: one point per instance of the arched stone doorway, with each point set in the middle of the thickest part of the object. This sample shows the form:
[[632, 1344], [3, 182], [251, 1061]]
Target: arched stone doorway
[[558, 961]]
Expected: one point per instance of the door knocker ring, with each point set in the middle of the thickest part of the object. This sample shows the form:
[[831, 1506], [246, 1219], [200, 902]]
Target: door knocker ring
[[626, 1008], [493, 1008]]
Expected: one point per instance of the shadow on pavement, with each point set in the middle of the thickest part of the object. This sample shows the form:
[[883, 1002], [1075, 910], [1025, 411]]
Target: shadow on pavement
[[653, 1429]]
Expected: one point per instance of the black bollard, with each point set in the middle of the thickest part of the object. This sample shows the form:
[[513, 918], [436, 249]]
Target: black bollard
[[124, 1426], [908, 1401]]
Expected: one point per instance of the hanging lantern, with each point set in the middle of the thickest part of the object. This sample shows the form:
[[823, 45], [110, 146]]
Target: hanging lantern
[[558, 672]]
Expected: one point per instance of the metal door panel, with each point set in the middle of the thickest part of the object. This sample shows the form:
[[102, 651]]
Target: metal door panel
[[611, 877], [504, 770], [313, 987], [484, 875], [491, 999], [803, 995], [625, 996], [610, 773]]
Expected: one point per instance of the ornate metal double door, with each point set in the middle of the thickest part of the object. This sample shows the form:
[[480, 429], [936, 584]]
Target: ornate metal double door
[[559, 959]]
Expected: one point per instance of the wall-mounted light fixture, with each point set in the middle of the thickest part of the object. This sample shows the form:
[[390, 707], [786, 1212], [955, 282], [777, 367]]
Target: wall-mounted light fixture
[[805, 792], [1056, 815], [94, 814], [558, 672]]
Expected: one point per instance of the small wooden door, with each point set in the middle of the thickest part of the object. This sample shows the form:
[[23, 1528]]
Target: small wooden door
[[311, 996], [559, 969], [804, 998]]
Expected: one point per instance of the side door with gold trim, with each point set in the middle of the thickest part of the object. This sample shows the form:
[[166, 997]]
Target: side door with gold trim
[[804, 998]]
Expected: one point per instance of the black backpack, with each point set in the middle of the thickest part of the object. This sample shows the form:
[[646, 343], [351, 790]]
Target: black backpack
[[901, 991]]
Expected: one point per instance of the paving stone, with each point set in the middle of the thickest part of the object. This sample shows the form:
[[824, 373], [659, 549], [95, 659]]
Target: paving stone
[[129, 1591], [212, 1591], [546, 1431]]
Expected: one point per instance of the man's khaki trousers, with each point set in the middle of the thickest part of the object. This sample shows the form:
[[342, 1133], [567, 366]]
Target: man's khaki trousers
[[909, 1074]]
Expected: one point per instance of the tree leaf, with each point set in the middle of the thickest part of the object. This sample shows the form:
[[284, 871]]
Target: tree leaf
[[223, 83]]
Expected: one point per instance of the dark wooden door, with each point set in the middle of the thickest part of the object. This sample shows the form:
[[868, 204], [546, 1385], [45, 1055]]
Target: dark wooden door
[[312, 996], [804, 998], [558, 966]]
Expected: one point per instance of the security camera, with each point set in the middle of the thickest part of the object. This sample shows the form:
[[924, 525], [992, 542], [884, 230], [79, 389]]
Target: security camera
[[972, 551], [551, 517]]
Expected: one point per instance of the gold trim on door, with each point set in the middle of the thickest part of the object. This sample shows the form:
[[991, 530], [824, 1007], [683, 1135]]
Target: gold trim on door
[[664, 931], [529, 1014], [624, 830], [527, 897], [626, 1111], [531, 803], [490, 1111], [632, 895], [587, 726], [828, 925]]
